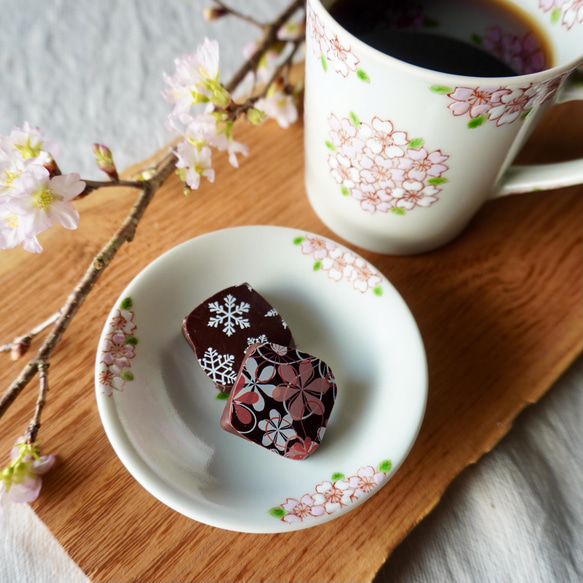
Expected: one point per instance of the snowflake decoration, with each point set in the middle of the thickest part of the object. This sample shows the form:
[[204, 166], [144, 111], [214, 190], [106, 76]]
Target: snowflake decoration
[[260, 340], [218, 366], [229, 315]]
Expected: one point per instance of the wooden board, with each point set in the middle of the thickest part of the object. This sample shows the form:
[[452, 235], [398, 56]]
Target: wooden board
[[499, 310]]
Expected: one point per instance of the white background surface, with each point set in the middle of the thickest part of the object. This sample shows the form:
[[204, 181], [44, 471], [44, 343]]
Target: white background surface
[[89, 71]]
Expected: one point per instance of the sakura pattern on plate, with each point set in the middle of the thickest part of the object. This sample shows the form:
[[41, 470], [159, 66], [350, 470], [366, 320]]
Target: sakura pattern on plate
[[118, 350], [329, 49], [331, 495], [381, 167], [340, 264]]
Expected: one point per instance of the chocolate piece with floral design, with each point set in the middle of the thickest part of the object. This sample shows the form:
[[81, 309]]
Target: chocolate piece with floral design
[[282, 400]]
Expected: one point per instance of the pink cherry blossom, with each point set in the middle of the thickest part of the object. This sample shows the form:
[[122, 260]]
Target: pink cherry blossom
[[419, 164], [338, 264], [363, 276], [317, 246], [508, 106], [341, 56], [373, 199], [547, 5], [39, 200], [475, 102], [333, 495], [343, 171], [21, 481], [377, 171], [299, 510], [302, 390], [365, 481], [116, 351], [412, 194], [280, 107], [573, 14], [385, 139], [194, 163], [344, 137]]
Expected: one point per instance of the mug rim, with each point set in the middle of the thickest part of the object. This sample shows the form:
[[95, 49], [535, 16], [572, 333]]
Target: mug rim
[[538, 77]]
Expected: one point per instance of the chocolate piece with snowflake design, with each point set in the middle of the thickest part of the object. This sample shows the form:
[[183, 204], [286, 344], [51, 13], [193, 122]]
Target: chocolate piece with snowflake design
[[221, 328], [282, 400]]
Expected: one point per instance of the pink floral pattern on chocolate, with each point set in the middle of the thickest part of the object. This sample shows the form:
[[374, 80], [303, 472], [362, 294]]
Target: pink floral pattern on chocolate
[[332, 495], [330, 49], [501, 105], [281, 400], [340, 264], [381, 167], [567, 12], [118, 350]]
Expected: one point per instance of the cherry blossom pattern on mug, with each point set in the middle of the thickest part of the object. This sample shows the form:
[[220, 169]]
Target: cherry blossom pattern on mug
[[340, 264], [118, 350], [502, 105], [382, 167], [523, 54], [567, 12], [332, 495], [329, 49]]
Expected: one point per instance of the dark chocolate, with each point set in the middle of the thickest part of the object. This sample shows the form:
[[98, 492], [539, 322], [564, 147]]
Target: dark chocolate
[[282, 400], [222, 327]]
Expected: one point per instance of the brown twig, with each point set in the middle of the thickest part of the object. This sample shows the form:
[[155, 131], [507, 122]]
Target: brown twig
[[239, 15]]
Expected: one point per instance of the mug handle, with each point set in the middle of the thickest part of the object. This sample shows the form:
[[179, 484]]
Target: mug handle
[[521, 179]]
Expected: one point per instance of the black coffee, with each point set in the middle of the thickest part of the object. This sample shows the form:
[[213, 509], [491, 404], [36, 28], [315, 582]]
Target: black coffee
[[483, 38]]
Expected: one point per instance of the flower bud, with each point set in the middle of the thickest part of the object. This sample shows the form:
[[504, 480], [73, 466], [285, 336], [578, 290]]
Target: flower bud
[[255, 116], [213, 13], [104, 160]]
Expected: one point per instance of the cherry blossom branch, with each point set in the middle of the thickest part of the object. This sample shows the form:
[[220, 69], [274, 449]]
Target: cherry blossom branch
[[46, 177], [125, 233], [269, 38], [228, 10]]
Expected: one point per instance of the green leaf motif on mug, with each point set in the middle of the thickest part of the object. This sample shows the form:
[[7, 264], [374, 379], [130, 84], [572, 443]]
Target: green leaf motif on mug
[[398, 210], [324, 63], [354, 119], [330, 146], [345, 191], [362, 75], [477, 121], [441, 89], [299, 240], [436, 181], [317, 266], [416, 143], [555, 15], [476, 39]]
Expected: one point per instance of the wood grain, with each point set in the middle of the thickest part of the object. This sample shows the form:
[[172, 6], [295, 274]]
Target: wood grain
[[500, 311]]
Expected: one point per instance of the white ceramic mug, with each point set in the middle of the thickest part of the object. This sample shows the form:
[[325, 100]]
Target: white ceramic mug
[[399, 158]]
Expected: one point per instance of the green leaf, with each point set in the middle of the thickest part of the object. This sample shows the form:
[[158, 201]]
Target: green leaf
[[132, 341], [337, 476], [324, 63], [126, 375], [524, 114], [430, 23], [396, 210], [476, 39], [385, 466], [299, 240], [362, 75], [127, 304], [555, 15], [221, 396], [354, 119], [477, 121], [441, 89], [377, 291], [330, 145], [277, 512], [436, 181], [344, 191], [317, 265], [416, 143]]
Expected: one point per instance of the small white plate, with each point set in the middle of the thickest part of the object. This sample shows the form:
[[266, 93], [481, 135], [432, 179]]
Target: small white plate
[[161, 414]]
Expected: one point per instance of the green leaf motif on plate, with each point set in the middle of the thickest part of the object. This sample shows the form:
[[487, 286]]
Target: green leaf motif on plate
[[385, 466], [337, 476], [127, 303], [362, 75], [416, 143], [477, 121], [441, 89], [299, 240], [277, 512]]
